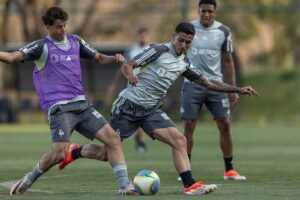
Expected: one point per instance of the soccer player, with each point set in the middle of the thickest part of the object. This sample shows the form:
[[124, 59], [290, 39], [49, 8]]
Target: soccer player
[[140, 104], [212, 44], [57, 78], [142, 42]]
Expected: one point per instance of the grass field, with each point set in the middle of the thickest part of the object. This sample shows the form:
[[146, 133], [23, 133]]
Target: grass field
[[269, 156]]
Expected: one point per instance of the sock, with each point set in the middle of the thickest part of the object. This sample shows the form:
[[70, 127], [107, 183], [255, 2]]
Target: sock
[[120, 171], [228, 163], [76, 153], [187, 178], [35, 173]]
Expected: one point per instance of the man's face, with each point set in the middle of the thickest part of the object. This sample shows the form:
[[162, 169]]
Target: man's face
[[143, 39], [181, 42], [57, 31], [207, 14]]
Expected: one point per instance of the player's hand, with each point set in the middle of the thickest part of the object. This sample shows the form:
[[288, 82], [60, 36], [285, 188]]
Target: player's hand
[[132, 80], [234, 98], [248, 90], [119, 58]]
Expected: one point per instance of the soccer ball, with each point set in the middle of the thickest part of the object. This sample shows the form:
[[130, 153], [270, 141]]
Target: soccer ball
[[146, 182]]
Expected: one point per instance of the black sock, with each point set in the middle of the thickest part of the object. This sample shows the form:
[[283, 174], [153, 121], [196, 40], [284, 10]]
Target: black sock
[[228, 163], [187, 178], [76, 153]]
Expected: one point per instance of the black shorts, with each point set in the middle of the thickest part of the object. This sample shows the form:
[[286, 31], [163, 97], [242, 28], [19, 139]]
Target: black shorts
[[194, 96], [79, 116], [127, 117]]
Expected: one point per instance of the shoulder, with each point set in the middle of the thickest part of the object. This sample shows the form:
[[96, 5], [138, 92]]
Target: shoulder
[[76, 37], [195, 22], [150, 54], [156, 49], [159, 47], [36, 45], [222, 27]]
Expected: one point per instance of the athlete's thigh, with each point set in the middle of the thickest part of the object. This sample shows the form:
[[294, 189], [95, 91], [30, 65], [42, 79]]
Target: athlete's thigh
[[62, 125], [192, 99], [91, 121], [156, 120], [124, 127], [218, 104]]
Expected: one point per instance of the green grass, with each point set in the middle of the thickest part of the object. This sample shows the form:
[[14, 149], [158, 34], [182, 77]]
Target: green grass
[[268, 156]]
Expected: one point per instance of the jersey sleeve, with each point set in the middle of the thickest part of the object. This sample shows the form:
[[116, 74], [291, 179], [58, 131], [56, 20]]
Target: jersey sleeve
[[33, 50], [191, 72], [227, 46], [191, 75], [150, 54], [86, 50]]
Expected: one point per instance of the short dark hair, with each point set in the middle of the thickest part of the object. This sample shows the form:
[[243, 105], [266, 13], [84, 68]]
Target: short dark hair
[[142, 30], [54, 13], [213, 2], [185, 27]]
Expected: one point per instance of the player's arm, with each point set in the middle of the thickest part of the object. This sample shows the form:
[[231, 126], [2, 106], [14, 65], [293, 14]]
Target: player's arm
[[230, 74], [127, 71], [146, 57], [30, 52], [228, 64], [11, 57], [88, 52], [202, 80], [105, 59]]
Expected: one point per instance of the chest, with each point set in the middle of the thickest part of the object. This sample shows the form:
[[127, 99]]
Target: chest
[[208, 39], [169, 66]]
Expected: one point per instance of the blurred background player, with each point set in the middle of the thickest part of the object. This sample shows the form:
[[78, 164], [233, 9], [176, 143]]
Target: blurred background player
[[142, 42], [212, 44], [58, 82]]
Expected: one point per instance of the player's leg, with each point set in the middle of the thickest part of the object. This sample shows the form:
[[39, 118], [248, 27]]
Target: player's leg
[[139, 140], [159, 126], [61, 125], [90, 151], [189, 128], [58, 153], [192, 98], [177, 141], [96, 151], [94, 126], [218, 104]]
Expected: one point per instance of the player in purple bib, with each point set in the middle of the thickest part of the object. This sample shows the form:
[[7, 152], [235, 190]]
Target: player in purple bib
[[58, 81]]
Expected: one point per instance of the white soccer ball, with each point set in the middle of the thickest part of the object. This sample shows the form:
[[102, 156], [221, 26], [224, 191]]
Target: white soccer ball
[[146, 182]]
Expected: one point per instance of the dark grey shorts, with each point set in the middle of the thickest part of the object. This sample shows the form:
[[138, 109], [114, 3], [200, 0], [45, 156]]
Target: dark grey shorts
[[194, 96], [127, 117], [79, 116]]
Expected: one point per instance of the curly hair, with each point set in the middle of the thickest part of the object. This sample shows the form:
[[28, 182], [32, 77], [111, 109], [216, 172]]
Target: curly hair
[[54, 13]]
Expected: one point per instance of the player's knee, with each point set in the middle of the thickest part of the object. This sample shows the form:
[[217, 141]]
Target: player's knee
[[224, 125], [114, 140], [180, 142]]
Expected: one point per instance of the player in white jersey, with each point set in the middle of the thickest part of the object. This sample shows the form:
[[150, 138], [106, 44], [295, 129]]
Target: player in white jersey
[[142, 42], [212, 44], [140, 104]]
